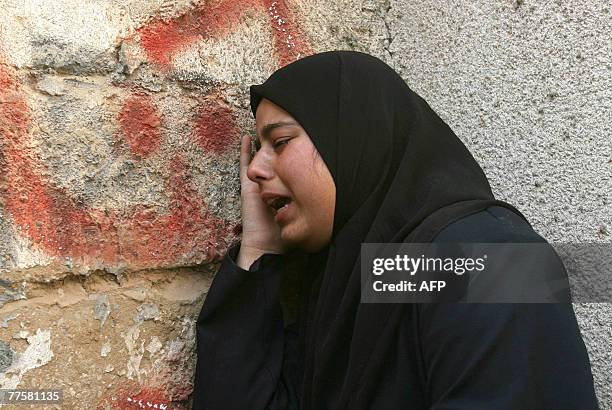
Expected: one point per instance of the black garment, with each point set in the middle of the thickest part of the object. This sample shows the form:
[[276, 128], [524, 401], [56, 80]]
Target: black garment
[[444, 356], [401, 175]]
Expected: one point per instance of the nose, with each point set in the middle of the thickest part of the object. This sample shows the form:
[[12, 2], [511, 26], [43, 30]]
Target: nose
[[260, 167]]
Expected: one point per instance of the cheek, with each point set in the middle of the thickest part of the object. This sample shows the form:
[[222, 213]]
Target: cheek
[[296, 173], [321, 198], [309, 181]]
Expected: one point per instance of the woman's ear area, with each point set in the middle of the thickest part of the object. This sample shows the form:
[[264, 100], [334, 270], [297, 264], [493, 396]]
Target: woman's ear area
[[316, 157], [329, 189]]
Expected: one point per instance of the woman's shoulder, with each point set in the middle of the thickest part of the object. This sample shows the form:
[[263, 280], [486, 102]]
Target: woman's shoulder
[[492, 225], [532, 273]]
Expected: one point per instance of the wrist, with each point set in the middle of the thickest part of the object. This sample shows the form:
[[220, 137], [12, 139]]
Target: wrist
[[259, 247], [246, 257], [248, 254]]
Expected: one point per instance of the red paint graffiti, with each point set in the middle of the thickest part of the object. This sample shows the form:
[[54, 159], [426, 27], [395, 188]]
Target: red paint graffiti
[[140, 125], [215, 128], [161, 39], [52, 220], [138, 236], [136, 397]]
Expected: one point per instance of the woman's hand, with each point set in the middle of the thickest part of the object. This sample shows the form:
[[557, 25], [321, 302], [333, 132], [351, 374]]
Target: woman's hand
[[260, 233]]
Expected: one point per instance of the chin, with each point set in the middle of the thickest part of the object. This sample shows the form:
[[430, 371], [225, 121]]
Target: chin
[[302, 239], [294, 240], [305, 245], [291, 242]]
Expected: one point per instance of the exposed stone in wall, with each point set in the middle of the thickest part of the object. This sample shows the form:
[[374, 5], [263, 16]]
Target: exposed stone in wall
[[119, 190], [119, 131]]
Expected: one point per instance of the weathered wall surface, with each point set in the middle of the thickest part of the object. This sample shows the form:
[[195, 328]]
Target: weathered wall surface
[[527, 85], [120, 124], [119, 130]]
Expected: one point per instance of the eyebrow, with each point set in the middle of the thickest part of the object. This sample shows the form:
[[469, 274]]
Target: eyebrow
[[267, 129]]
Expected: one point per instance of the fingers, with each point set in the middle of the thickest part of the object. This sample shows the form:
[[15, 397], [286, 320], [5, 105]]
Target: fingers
[[245, 155]]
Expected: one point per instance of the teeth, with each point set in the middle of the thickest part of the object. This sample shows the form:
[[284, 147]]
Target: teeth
[[279, 203], [276, 211]]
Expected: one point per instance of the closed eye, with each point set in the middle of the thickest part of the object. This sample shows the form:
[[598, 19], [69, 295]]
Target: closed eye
[[281, 142]]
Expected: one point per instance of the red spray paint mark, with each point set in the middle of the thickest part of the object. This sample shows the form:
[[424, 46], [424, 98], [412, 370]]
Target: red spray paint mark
[[140, 125], [215, 128], [139, 235], [52, 220], [163, 38], [14, 115], [136, 397], [289, 41], [187, 223]]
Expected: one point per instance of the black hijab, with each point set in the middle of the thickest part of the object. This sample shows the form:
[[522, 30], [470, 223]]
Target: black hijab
[[401, 175]]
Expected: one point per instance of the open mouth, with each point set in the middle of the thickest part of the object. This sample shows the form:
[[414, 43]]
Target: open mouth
[[279, 203]]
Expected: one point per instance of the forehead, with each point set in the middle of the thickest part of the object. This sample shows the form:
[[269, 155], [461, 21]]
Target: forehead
[[270, 116]]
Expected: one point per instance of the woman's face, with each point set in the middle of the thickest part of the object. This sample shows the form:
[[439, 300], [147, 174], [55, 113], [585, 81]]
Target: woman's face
[[286, 164]]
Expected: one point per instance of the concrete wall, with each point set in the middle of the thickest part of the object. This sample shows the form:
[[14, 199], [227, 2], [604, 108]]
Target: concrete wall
[[119, 130], [527, 85]]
